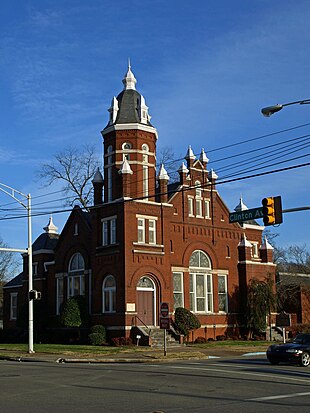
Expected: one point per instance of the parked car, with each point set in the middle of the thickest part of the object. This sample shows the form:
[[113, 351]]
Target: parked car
[[295, 351]]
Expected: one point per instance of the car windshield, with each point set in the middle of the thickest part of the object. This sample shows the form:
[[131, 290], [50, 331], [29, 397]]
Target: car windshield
[[302, 339]]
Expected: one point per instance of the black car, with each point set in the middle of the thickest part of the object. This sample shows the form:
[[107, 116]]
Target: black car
[[296, 351]]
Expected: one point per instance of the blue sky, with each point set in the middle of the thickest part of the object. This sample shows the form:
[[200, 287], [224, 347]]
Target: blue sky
[[205, 67]]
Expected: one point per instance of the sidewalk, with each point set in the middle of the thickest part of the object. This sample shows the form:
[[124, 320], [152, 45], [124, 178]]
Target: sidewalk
[[145, 355]]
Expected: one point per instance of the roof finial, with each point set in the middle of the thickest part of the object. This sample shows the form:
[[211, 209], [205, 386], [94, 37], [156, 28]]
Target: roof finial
[[50, 227], [129, 80]]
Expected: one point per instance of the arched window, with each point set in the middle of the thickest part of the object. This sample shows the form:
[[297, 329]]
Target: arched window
[[126, 147], [76, 278], [201, 289], [109, 295]]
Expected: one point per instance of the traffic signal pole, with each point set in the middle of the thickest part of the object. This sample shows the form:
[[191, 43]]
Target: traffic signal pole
[[305, 208]]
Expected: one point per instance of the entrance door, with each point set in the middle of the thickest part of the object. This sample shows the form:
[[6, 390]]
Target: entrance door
[[145, 301]]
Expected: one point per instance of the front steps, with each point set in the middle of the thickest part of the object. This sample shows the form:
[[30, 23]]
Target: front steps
[[156, 337]]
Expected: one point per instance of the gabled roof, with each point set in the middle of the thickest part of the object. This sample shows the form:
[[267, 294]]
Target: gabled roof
[[82, 216], [15, 282]]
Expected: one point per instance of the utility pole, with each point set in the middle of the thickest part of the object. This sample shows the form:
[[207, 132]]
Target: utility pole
[[12, 193]]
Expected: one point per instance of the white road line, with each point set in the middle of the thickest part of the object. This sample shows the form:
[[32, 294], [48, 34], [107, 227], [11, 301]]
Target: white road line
[[243, 373], [282, 396]]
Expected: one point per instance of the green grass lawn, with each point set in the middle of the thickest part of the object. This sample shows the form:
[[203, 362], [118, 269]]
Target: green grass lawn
[[65, 349], [87, 350]]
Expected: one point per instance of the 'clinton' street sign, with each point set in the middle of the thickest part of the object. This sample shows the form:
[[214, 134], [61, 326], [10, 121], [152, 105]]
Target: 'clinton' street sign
[[246, 215]]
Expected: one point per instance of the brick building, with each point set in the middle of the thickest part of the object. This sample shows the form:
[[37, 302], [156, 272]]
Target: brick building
[[145, 241]]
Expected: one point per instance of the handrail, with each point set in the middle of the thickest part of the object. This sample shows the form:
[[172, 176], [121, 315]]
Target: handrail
[[135, 323]]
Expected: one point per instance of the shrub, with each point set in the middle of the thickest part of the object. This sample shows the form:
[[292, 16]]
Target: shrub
[[121, 341], [200, 340], [220, 338], [97, 335], [185, 321], [74, 312]]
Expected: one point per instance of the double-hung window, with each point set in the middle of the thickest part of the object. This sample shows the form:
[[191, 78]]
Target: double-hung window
[[59, 294], [146, 230], [207, 209], [13, 306], [198, 199], [109, 231], [178, 289], [152, 231], [190, 201], [222, 293], [141, 230]]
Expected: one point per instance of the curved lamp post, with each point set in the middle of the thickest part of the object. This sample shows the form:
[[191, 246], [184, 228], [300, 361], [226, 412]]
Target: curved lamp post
[[270, 110], [27, 205]]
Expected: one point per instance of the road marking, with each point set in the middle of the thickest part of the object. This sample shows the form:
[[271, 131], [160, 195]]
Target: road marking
[[282, 396], [243, 373]]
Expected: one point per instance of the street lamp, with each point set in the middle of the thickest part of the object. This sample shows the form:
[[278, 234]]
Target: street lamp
[[11, 192], [270, 110]]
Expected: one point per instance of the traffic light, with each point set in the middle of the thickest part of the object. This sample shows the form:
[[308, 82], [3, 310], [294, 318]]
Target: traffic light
[[272, 210], [34, 295]]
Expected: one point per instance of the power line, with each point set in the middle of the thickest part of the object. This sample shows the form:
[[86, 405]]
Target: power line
[[183, 189], [247, 140], [212, 150]]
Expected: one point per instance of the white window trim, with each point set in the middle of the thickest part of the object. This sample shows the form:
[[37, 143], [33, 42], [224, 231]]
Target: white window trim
[[145, 183], [58, 301], [141, 230], [13, 308], [108, 226], [255, 250], [225, 293], [198, 201], [111, 291], [207, 208], [190, 203], [72, 275], [70, 288], [146, 227], [153, 231], [34, 268], [182, 287], [207, 293]]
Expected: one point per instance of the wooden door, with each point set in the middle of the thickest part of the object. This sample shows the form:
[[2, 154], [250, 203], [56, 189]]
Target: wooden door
[[145, 307]]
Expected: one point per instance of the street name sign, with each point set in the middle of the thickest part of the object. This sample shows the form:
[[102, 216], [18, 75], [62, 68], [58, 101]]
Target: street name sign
[[246, 215]]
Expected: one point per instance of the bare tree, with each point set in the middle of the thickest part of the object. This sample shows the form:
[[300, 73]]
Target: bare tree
[[75, 167], [8, 263], [8, 267], [294, 259], [166, 155]]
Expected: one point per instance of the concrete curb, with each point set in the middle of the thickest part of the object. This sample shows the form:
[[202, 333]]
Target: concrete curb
[[147, 359], [26, 359]]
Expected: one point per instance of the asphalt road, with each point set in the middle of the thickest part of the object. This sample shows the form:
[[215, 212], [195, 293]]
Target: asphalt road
[[214, 385]]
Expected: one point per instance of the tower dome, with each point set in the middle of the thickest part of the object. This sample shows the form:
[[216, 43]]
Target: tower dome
[[129, 106]]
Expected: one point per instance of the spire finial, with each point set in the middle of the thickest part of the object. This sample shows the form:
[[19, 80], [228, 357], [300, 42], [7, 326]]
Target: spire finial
[[50, 227], [129, 80]]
